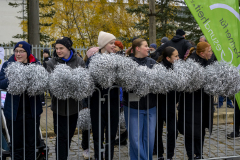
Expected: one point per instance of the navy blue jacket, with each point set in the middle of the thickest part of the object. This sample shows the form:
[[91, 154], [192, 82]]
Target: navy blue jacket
[[16, 98]]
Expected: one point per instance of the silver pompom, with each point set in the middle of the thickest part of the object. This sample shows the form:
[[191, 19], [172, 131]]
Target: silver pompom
[[84, 119], [59, 81], [142, 87], [82, 84], [17, 78], [37, 79], [222, 79], [161, 79], [102, 68], [181, 75], [197, 78], [126, 76], [122, 119]]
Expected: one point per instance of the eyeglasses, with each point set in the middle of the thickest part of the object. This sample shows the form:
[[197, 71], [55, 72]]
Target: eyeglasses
[[19, 52]]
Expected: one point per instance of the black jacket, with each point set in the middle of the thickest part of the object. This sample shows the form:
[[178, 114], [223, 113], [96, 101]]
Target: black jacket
[[102, 93], [201, 113], [45, 60], [74, 62], [178, 42], [149, 62], [172, 99]]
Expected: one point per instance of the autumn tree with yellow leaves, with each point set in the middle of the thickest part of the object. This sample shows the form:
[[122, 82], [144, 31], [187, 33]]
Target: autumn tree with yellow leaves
[[82, 20]]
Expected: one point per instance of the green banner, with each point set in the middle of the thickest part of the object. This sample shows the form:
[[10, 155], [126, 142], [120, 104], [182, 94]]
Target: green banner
[[219, 21]]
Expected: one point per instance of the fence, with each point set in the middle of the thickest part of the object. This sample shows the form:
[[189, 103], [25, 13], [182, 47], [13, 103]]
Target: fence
[[215, 146]]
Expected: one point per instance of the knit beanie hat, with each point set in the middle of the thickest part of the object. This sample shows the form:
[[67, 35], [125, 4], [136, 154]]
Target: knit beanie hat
[[153, 45], [104, 38], [119, 44], [164, 39], [67, 42], [26, 46], [92, 51], [46, 51], [180, 32]]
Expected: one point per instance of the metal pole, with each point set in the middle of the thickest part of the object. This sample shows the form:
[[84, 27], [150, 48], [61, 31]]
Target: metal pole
[[209, 126], [12, 128], [24, 135], [89, 148], [35, 127], [226, 128], [68, 124], [166, 124], [175, 116], [184, 127], [192, 125], [1, 125], [148, 122], [201, 126], [78, 132]]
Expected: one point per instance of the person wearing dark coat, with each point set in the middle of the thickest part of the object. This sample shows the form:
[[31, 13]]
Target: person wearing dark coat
[[46, 57], [147, 112], [179, 42], [202, 114], [22, 53], [106, 45], [67, 117], [167, 59]]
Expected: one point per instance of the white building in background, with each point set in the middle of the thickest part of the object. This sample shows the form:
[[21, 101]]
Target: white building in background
[[9, 24]]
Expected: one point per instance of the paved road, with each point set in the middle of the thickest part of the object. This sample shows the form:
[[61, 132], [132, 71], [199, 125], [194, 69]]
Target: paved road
[[214, 148]]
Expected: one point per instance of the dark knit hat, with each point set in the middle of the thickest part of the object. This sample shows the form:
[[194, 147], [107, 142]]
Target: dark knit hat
[[134, 38], [153, 45], [164, 39], [67, 42], [46, 51], [180, 32], [119, 44], [26, 46]]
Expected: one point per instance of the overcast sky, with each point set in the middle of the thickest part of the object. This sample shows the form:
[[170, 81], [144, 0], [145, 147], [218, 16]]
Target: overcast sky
[[9, 24]]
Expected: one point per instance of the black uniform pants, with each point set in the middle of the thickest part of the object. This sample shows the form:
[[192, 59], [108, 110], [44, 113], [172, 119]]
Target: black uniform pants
[[114, 117], [196, 147], [17, 138], [172, 134], [62, 135]]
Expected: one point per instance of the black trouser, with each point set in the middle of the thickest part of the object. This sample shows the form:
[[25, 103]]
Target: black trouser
[[197, 145], [85, 139], [171, 139], [114, 117], [62, 135], [18, 144], [237, 117]]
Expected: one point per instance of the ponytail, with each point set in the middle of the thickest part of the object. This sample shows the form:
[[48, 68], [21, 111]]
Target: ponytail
[[160, 59], [190, 52], [129, 51]]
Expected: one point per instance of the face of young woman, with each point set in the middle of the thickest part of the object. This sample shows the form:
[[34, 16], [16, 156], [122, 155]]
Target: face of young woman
[[143, 49], [208, 53], [20, 55], [116, 49], [110, 46], [45, 55], [174, 57], [62, 51]]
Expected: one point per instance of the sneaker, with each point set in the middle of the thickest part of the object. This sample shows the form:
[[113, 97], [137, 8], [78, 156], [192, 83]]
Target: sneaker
[[231, 136], [198, 157], [43, 103], [86, 154], [230, 106], [160, 158]]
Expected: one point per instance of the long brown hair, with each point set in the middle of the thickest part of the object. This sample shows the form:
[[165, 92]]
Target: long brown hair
[[201, 47], [136, 43], [167, 52]]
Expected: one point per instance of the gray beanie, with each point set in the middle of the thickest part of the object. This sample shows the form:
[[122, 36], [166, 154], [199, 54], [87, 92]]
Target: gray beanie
[[104, 38], [164, 39]]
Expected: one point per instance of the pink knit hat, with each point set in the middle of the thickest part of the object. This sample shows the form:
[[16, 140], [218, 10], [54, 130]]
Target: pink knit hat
[[92, 51]]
